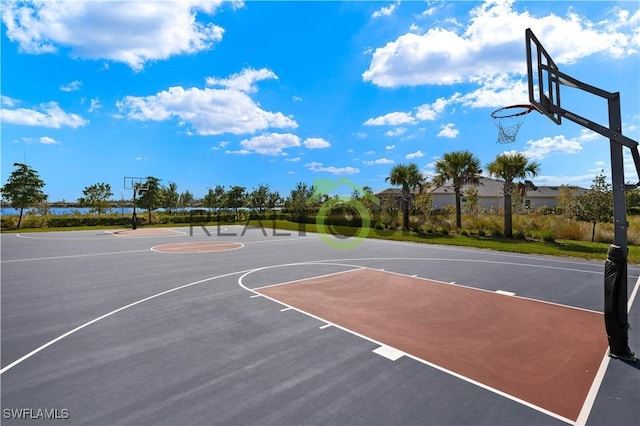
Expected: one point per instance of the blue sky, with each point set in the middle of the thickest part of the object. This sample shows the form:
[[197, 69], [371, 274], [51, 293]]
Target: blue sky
[[205, 93]]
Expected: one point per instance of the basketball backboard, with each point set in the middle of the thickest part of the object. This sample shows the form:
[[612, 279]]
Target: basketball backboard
[[543, 80], [137, 183]]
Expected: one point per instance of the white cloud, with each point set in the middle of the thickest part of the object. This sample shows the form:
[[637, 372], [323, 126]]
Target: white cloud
[[583, 181], [293, 160], [541, 148], [48, 141], [220, 145], [71, 87], [239, 152], [314, 166], [385, 11], [244, 81], [379, 161], [496, 91], [7, 101], [429, 112], [270, 143], [389, 147], [491, 43], [395, 132], [316, 143], [391, 119], [448, 131], [413, 155], [95, 105], [51, 115], [209, 111], [130, 32], [297, 98]]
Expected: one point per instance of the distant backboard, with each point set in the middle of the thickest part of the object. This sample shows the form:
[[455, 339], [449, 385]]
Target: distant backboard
[[137, 183], [544, 83]]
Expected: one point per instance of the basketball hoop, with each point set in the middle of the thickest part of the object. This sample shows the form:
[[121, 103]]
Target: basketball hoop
[[509, 120]]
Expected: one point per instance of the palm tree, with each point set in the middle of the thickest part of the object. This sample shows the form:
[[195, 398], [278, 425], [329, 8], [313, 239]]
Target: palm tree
[[408, 176], [510, 166], [461, 168]]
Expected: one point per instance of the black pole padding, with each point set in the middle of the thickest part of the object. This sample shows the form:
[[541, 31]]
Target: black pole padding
[[615, 304]]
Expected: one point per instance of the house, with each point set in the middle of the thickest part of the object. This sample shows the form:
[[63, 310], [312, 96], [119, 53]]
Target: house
[[490, 195]]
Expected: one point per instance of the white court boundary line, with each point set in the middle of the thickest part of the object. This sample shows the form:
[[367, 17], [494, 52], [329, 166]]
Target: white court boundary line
[[415, 358], [75, 255], [583, 415], [100, 318], [597, 381]]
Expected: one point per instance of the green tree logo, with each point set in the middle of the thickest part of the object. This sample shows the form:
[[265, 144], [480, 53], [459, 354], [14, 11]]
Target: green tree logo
[[355, 202]]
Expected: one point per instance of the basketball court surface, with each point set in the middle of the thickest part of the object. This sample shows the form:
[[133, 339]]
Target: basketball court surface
[[252, 326]]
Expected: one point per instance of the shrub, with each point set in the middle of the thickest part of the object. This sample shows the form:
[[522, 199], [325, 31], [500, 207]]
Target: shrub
[[481, 232], [8, 222], [547, 235], [496, 233], [519, 235]]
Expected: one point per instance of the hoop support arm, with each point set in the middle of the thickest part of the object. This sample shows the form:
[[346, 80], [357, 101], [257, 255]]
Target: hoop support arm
[[567, 80], [604, 131]]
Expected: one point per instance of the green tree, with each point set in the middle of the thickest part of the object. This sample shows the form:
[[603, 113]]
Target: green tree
[[409, 177], [633, 199], [273, 200], [508, 167], [300, 200], [473, 202], [235, 198], [567, 200], [23, 189], [185, 199], [214, 199], [596, 205], [151, 197], [460, 168], [170, 197], [258, 198], [96, 197]]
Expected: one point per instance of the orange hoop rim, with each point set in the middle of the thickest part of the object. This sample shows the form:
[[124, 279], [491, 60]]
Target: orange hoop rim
[[519, 109]]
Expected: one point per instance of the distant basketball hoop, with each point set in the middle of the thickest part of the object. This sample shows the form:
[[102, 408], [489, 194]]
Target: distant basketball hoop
[[509, 119]]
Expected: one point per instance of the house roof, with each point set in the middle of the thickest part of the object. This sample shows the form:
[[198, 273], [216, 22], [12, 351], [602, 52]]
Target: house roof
[[489, 188]]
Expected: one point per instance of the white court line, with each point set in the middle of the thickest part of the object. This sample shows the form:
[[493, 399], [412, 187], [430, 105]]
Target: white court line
[[441, 259], [71, 256], [158, 248], [288, 308], [116, 233], [597, 381], [493, 292], [322, 327], [95, 320], [389, 352], [415, 358], [306, 279], [505, 293]]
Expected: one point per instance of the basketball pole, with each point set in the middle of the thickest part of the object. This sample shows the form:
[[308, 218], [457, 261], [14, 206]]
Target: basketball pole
[[616, 276]]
